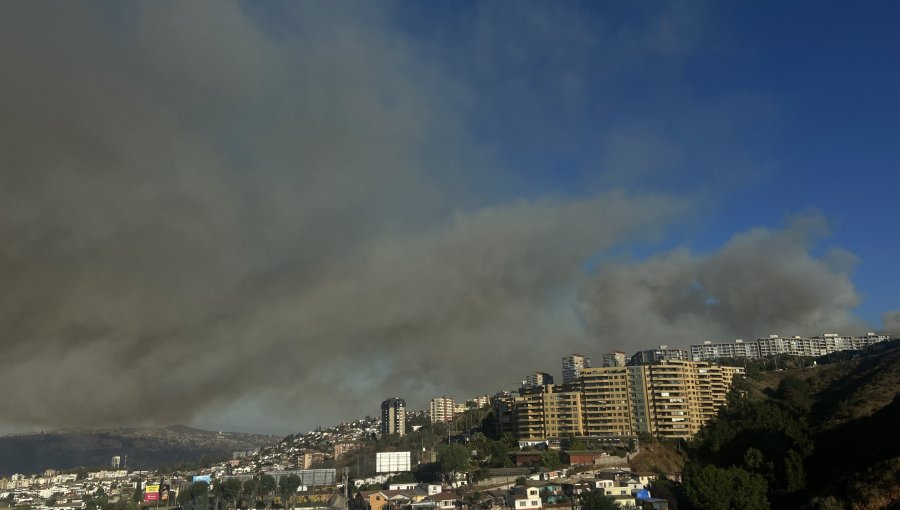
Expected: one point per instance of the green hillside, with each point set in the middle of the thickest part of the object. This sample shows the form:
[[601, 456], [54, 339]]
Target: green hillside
[[820, 437]]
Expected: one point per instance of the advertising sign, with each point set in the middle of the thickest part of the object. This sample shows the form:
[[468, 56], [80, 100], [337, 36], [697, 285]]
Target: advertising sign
[[151, 492], [202, 478], [391, 462]]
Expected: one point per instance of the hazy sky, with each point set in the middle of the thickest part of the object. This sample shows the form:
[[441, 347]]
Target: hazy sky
[[271, 216]]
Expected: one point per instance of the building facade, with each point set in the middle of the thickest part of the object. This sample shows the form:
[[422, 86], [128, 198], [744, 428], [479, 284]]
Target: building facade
[[393, 417], [661, 354], [572, 366], [668, 399], [442, 409], [775, 345], [535, 380], [615, 359]]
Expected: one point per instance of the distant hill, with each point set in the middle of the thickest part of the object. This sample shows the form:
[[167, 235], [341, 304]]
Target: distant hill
[[145, 448]]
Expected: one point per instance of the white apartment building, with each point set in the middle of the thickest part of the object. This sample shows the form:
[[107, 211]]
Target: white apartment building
[[775, 344], [572, 366], [442, 409]]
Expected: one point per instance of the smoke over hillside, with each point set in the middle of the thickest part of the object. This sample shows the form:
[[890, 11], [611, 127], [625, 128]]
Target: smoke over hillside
[[232, 223]]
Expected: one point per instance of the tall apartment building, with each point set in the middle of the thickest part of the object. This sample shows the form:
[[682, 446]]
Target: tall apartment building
[[661, 354], [669, 399], [775, 344], [549, 412], [442, 409], [711, 351], [572, 366], [615, 359], [535, 380], [607, 402], [482, 401], [393, 417]]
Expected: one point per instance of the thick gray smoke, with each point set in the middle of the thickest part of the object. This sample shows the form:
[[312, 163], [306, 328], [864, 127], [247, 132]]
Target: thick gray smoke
[[761, 282], [891, 321], [217, 218], [203, 220]]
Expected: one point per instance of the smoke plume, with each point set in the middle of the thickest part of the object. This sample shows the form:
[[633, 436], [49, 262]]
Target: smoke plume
[[210, 215]]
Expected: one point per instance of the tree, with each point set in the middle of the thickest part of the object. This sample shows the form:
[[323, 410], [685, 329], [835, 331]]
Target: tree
[[795, 392], [267, 486], [195, 496], [714, 488], [550, 459], [596, 500], [794, 475], [454, 459], [229, 490], [576, 445], [500, 455], [249, 488], [489, 426], [440, 429], [288, 485]]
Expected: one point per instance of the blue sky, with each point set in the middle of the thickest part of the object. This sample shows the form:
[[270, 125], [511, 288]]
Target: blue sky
[[771, 108]]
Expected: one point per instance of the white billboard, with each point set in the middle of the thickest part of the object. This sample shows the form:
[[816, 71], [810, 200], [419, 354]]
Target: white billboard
[[391, 462]]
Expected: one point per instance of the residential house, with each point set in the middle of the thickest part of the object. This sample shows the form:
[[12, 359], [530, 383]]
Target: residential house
[[526, 497]]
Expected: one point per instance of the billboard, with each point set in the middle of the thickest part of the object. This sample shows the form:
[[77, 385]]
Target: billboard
[[202, 478], [151, 492], [309, 477], [391, 462]]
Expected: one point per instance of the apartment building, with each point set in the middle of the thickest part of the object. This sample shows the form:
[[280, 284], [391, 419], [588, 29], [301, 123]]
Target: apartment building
[[546, 412], [615, 359], [607, 402], [663, 353], [442, 409], [482, 401], [393, 417], [536, 380], [775, 344], [669, 398], [737, 349], [572, 366]]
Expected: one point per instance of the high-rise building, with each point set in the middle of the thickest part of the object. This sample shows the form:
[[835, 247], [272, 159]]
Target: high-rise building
[[535, 381], [550, 412], [393, 417], [661, 354], [615, 359], [669, 399], [712, 351], [482, 401], [572, 366], [775, 344], [442, 409]]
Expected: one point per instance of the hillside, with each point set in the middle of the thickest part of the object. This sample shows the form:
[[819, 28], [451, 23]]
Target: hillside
[[145, 448], [658, 457], [822, 436]]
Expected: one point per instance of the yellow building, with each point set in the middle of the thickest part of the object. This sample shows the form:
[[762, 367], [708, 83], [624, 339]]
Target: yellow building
[[545, 413], [671, 399], [607, 402]]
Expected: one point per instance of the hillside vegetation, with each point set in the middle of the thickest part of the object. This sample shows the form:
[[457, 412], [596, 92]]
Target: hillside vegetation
[[818, 437]]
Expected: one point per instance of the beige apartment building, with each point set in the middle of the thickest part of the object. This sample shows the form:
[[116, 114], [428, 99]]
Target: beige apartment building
[[671, 399]]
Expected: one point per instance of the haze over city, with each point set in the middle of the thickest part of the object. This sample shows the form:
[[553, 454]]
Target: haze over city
[[273, 216]]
